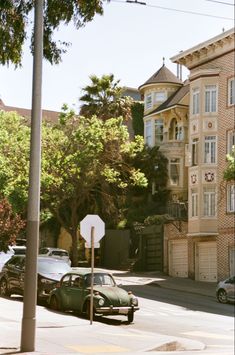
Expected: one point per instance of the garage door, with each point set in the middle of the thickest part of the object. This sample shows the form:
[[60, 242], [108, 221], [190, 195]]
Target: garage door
[[178, 258], [207, 261]]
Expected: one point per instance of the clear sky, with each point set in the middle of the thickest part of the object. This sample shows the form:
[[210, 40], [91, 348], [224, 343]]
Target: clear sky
[[129, 41]]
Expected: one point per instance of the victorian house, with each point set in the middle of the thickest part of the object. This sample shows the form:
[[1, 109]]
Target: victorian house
[[193, 123]]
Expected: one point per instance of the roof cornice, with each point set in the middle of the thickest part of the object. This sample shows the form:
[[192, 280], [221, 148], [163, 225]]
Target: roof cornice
[[207, 50]]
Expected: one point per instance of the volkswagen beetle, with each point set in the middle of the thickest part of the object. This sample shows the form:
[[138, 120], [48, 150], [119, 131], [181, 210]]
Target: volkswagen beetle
[[73, 293]]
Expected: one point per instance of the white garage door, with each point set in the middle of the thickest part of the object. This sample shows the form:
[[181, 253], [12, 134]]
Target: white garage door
[[178, 258], [207, 261]]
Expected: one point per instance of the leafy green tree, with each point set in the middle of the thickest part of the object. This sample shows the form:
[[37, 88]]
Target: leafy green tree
[[86, 168], [137, 112], [10, 224], [14, 159], [15, 19], [104, 98], [229, 173]]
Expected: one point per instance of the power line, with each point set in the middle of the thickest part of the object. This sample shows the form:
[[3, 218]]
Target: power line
[[221, 2], [171, 9]]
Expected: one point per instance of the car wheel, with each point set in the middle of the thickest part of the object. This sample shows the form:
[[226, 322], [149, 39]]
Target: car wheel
[[55, 304], [222, 296], [130, 316], [4, 288]]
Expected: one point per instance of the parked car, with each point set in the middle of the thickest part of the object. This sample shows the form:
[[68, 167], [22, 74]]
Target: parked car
[[49, 273], [12, 250], [74, 292], [55, 253], [225, 290]]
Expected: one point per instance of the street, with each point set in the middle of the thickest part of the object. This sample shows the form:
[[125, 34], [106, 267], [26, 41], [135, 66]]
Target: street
[[182, 320]]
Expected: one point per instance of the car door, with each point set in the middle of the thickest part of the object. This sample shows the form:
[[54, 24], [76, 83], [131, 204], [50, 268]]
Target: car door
[[77, 293], [230, 287], [15, 274]]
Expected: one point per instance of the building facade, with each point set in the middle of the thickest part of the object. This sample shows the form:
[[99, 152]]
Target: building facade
[[194, 126]]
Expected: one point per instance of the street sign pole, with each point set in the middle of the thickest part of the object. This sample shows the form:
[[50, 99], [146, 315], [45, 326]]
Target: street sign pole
[[92, 272]]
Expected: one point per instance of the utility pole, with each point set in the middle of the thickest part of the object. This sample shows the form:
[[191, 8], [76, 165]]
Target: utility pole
[[30, 283]]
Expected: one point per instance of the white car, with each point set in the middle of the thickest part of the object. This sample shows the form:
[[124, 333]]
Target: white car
[[12, 250], [56, 253], [225, 290]]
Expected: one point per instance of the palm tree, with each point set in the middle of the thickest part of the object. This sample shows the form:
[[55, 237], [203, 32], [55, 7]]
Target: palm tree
[[104, 98]]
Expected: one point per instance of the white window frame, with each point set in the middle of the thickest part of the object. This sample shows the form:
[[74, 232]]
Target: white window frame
[[194, 203], [209, 202], [177, 163], [158, 130], [195, 101], [231, 92], [148, 101], [230, 141], [210, 146], [148, 132], [160, 96], [211, 97], [230, 198]]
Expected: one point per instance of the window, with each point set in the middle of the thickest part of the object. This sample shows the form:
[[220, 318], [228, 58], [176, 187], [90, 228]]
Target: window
[[160, 96], [194, 203], [174, 171], [195, 152], [195, 101], [209, 202], [175, 132], [230, 141], [148, 133], [210, 150], [231, 198], [211, 98], [231, 92], [158, 131], [148, 101]]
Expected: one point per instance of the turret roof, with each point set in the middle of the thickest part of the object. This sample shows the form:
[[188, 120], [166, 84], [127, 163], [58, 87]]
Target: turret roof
[[163, 75]]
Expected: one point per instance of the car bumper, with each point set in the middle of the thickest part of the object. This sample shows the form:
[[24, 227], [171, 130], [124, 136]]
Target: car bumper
[[116, 310]]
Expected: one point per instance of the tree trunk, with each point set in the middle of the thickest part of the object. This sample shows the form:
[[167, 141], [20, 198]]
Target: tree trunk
[[74, 249]]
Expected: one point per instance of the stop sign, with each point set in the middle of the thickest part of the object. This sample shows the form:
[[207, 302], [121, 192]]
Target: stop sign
[[92, 220]]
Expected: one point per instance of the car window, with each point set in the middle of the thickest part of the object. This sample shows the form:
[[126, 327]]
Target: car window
[[46, 267], [59, 253], [19, 251], [16, 262], [66, 281], [99, 279], [43, 251]]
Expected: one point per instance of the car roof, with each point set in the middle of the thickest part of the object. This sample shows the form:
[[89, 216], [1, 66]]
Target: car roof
[[51, 249], [86, 270]]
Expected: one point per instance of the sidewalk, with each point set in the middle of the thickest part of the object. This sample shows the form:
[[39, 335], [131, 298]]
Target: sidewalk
[[159, 279]]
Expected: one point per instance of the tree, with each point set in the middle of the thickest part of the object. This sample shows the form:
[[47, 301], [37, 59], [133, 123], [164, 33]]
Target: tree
[[86, 168], [229, 173], [14, 159], [104, 98], [10, 224], [15, 18]]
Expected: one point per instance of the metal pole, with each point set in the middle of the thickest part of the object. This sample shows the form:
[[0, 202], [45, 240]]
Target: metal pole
[[92, 272], [30, 286]]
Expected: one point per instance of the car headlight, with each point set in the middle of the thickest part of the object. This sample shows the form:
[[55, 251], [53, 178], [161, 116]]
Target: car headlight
[[134, 301], [101, 302]]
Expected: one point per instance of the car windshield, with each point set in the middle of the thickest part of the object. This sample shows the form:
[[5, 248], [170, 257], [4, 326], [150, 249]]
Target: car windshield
[[48, 267], [99, 279]]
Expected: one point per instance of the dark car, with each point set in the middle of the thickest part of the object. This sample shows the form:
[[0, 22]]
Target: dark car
[[225, 290], [49, 270], [74, 294]]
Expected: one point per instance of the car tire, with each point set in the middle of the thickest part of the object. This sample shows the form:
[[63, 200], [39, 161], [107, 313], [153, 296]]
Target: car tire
[[222, 296], [130, 317], [55, 304], [4, 292]]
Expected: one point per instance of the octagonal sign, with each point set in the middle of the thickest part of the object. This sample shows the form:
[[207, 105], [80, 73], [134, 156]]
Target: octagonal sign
[[92, 220]]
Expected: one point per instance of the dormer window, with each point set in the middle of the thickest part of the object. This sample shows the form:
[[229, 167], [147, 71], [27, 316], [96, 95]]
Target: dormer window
[[160, 96], [148, 101]]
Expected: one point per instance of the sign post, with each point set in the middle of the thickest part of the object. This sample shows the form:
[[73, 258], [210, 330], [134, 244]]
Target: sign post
[[92, 229]]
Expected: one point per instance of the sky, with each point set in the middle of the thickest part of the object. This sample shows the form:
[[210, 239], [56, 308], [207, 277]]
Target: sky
[[129, 41]]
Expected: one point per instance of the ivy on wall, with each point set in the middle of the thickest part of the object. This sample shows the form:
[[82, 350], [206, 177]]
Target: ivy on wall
[[137, 111]]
